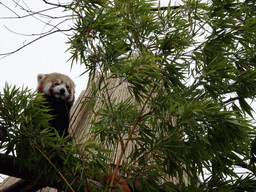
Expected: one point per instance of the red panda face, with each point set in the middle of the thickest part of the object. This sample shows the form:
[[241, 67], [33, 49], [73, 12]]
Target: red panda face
[[58, 85]]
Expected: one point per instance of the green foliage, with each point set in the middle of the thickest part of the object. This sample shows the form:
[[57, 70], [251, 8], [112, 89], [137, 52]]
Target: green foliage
[[191, 74], [18, 107], [187, 70], [33, 142]]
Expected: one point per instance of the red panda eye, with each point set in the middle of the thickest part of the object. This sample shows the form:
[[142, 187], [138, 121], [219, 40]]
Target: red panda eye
[[56, 83], [67, 86]]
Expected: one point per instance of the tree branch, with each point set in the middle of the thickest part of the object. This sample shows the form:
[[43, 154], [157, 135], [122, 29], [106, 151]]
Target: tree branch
[[242, 164], [129, 138], [54, 4], [11, 166], [9, 9], [231, 99], [23, 186], [31, 13], [12, 52], [164, 8]]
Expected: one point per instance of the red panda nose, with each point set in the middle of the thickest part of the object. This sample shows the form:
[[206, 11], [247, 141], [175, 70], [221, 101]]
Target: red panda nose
[[62, 90]]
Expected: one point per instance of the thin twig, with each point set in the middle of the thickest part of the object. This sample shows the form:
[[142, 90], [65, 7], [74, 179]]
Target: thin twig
[[39, 34], [129, 138], [54, 167], [165, 8], [158, 144], [200, 28], [195, 19], [54, 4], [112, 110], [9, 53], [231, 99], [31, 13], [10, 9]]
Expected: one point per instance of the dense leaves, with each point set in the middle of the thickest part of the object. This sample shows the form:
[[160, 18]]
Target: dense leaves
[[33, 142], [191, 71], [191, 75]]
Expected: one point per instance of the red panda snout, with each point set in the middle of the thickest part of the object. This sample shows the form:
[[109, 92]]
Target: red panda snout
[[60, 91]]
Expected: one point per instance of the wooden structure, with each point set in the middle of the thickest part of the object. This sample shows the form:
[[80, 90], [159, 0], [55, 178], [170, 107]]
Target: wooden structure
[[83, 113]]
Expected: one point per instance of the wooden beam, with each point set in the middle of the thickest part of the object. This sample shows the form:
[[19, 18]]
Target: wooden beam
[[11, 166]]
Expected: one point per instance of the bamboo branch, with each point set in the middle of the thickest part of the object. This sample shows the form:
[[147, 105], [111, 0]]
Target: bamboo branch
[[55, 168], [158, 144], [231, 99], [112, 110], [128, 139]]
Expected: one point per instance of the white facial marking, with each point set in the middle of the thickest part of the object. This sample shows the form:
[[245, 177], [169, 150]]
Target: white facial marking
[[60, 91], [47, 87]]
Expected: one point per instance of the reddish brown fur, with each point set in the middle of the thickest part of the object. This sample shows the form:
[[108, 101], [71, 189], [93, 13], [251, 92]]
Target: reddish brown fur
[[52, 77], [59, 96]]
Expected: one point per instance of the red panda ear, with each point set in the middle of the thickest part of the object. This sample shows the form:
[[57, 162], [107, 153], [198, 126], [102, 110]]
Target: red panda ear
[[40, 77]]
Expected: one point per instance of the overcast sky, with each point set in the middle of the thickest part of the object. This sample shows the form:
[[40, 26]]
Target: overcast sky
[[46, 55]]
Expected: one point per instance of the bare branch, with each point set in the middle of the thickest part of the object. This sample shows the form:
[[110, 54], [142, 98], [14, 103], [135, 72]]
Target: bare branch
[[10, 166], [54, 4], [9, 9], [22, 185], [41, 16], [31, 13], [45, 35]]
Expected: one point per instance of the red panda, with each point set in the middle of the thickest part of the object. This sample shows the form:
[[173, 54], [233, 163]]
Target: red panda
[[59, 92]]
